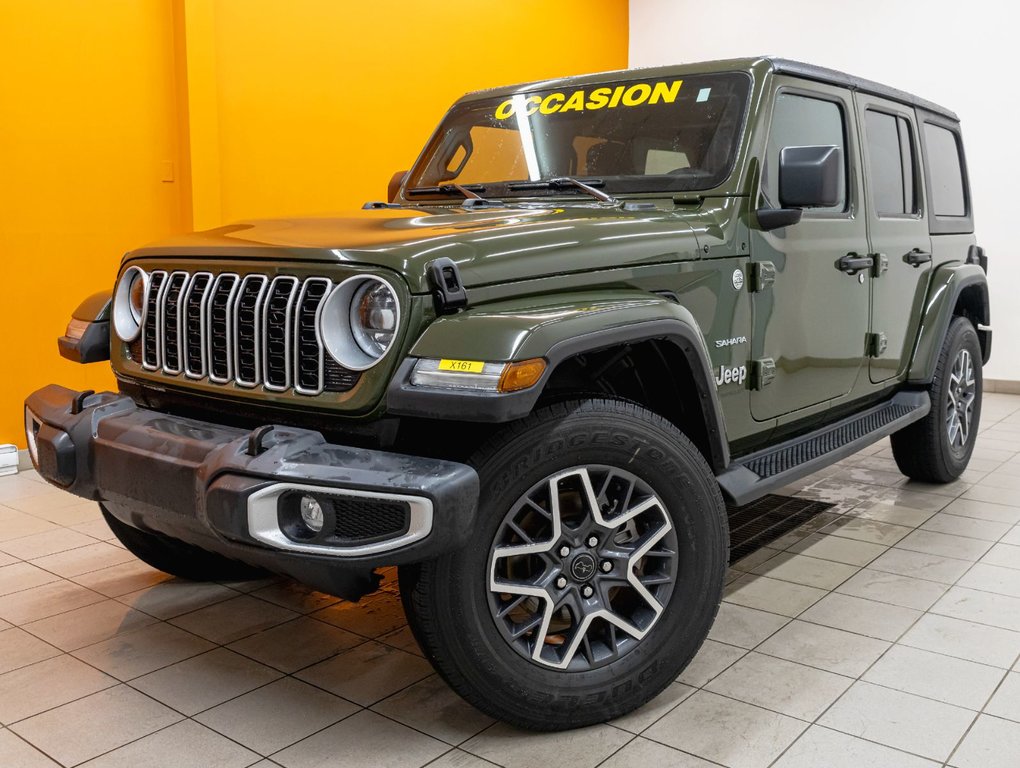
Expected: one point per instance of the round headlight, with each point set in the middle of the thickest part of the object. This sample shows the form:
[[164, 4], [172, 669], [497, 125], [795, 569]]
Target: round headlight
[[129, 303], [359, 321]]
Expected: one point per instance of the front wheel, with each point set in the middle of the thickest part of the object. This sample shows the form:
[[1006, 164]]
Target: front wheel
[[594, 575], [937, 448]]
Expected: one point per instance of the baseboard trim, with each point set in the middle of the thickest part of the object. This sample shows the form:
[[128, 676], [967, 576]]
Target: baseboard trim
[[1002, 386]]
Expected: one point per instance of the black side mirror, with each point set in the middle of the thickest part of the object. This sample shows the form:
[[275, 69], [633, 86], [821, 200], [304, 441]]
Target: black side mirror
[[809, 177], [394, 186]]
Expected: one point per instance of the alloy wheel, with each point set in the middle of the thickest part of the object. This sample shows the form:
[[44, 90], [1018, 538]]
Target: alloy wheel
[[961, 394]]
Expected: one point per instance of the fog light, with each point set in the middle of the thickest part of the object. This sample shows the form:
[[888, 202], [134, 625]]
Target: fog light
[[311, 514]]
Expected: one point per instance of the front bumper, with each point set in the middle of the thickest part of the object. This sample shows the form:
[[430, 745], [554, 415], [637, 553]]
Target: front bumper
[[225, 489]]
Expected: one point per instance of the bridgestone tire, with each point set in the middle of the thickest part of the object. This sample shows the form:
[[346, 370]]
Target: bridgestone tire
[[922, 450], [177, 558], [447, 600]]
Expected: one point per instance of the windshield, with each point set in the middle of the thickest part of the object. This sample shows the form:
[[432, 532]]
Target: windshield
[[655, 135]]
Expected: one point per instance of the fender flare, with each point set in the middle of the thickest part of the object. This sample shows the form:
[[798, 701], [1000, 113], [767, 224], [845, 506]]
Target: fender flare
[[948, 283], [563, 327]]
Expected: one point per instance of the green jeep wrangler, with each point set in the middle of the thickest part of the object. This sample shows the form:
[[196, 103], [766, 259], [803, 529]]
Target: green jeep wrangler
[[595, 311]]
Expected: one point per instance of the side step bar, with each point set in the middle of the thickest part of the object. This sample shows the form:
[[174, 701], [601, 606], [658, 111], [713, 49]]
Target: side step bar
[[756, 474]]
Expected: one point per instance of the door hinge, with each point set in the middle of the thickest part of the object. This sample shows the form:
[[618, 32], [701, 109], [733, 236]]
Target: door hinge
[[762, 373], [763, 275], [881, 264], [877, 344]]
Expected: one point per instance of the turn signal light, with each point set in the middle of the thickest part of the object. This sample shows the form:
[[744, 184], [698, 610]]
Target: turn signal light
[[518, 376]]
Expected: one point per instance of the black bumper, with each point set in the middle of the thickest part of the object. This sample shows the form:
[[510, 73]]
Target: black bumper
[[195, 481]]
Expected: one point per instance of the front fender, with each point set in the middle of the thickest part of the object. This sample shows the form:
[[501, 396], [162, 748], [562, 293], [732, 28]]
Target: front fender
[[948, 284], [555, 328]]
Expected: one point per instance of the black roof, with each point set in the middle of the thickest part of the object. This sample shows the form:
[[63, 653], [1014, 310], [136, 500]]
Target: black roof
[[835, 77]]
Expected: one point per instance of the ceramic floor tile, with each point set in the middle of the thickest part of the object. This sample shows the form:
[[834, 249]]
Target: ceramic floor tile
[[972, 527], [121, 579], [728, 732], [1006, 701], [965, 640], [204, 681], [91, 624], [33, 689], [40, 503], [366, 740], [820, 746], [72, 514], [276, 715], [839, 549], [919, 565], [983, 510], [744, 627], [946, 545], [711, 660], [1005, 555], [19, 576], [296, 597], [887, 512], [1012, 537], [809, 571], [368, 673], [866, 617], [992, 578], [936, 676], [582, 748], [991, 743], [430, 706], [894, 589], [233, 619], [297, 644], [48, 542], [402, 638], [136, 653], [865, 529], [19, 649], [782, 686], [1006, 496], [750, 562], [373, 615], [89, 727], [648, 714], [18, 753], [772, 595], [47, 600], [455, 758], [900, 720], [643, 752], [92, 557], [980, 607], [191, 746], [844, 653], [175, 598]]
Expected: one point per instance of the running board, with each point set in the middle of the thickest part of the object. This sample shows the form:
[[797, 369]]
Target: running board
[[756, 474]]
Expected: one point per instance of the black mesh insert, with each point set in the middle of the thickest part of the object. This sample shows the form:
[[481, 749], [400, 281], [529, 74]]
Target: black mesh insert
[[219, 325], [193, 324], [365, 520], [336, 378], [171, 326], [247, 323], [149, 353]]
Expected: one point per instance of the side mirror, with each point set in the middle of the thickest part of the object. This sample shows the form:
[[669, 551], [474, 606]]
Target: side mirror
[[809, 177], [394, 187]]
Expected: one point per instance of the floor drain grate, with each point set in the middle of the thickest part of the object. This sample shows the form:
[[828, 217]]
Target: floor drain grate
[[754, 525]]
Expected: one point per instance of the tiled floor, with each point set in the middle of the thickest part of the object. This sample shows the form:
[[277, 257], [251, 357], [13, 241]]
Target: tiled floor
[[884, 633]]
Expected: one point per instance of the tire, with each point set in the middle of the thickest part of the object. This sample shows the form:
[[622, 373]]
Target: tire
[[177, 558], [661, 522], [930, 450]]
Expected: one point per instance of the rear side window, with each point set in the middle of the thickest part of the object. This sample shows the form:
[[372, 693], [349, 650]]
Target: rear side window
[[891, 163], [799, 121], [945, 171]]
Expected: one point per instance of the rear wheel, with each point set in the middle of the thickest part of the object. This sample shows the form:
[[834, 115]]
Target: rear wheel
[[937, 448], [594, 576], [176, 557]]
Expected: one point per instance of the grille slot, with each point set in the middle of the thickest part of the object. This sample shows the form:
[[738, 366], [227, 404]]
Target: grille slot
[[367, 520], [248, 330]]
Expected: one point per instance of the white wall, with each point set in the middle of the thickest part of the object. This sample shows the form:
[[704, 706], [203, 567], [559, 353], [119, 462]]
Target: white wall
[[960, 55]]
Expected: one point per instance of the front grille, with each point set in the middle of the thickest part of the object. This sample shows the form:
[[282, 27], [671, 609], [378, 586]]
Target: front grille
[[365, 520], [246, 330]]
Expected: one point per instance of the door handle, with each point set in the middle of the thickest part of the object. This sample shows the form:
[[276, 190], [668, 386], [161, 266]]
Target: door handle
[[853, 263], [917, 257]]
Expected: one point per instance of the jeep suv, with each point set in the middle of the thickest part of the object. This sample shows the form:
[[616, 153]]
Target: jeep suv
[[595, 311]]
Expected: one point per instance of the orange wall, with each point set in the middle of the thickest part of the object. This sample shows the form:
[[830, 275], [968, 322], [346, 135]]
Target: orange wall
[[252, 107]]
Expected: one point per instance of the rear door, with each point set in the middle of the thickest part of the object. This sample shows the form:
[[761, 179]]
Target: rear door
[[811, 322], [897, 232]]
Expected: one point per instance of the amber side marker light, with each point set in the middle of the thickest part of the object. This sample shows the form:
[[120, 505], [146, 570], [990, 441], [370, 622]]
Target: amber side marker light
[[518, 376]]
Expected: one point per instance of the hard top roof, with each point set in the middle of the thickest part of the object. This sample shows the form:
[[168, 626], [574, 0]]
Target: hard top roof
[[778, 65]]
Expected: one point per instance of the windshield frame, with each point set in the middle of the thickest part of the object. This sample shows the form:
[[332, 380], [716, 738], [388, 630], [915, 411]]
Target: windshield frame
[[412, 192]]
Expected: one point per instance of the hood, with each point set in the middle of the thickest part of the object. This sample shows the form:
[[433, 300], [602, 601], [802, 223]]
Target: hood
[[490, 245]]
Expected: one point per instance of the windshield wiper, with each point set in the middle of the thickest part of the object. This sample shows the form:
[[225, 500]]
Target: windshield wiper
[[565, 182], [470, 192]]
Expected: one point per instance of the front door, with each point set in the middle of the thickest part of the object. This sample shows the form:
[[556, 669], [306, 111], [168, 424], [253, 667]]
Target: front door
[[812, 322], [897, 231]]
